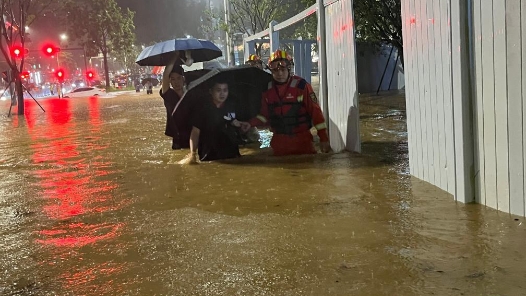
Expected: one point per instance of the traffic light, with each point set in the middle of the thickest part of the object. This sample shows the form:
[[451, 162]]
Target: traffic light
[[90, 75], [18, 51], [60, 75], [50, 50], [24, 75]]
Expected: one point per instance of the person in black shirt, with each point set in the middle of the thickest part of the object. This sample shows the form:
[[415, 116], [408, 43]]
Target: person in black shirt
[[177, 126], [215, 127]]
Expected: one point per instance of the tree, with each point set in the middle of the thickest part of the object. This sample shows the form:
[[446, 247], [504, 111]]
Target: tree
[[100, 26], [247, 17], [15, 16], [308, 28], [379, 22], [66, 60], [127, 58]]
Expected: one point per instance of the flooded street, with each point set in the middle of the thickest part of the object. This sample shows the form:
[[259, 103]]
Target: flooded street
[[91, 204]]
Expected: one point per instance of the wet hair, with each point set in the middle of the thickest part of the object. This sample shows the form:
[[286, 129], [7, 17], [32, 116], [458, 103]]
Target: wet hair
[[218, 80]]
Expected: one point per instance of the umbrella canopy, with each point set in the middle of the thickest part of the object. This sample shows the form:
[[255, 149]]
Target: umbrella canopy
[[154, 81], [191, 76], [161, 53], [245, 86]]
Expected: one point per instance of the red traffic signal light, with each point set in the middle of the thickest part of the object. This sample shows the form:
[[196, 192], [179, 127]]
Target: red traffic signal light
[[90, 75], [24, 75], [18, 51], [50, 50], [59, 74]]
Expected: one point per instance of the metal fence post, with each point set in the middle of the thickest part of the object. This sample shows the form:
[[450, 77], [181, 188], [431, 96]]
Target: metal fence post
[[322, 61], [274, 36]]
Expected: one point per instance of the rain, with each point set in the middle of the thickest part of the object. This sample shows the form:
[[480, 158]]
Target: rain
[[94, 202]]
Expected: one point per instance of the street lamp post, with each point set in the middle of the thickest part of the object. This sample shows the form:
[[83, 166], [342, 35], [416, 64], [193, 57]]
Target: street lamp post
[[63, 42], [85, 63]]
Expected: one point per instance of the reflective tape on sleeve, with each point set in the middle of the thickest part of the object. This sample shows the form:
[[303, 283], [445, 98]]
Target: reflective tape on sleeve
[[320, 126], [262, 118]]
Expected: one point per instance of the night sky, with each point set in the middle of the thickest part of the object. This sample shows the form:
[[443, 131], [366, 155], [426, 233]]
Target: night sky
[[157, 20]]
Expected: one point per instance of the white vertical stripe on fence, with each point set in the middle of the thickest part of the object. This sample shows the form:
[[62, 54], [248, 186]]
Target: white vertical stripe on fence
[[478, 103], [415, 160], [441, 165], [515, 118], [488, 101], [501, 107], [523, 89], [462, 112], [434, 174], [421, 95], [448, 94], [408, 51]]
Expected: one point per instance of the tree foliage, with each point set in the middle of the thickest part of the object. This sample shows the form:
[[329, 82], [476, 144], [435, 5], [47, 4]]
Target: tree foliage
[[247, 17], [127, 57], [100, 26], [379, 22], [16, 15], [308, 28]]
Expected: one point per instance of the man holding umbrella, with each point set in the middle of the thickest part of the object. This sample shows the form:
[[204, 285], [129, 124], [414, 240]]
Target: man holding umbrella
[[169, 54], [172, 90], [291, 108]]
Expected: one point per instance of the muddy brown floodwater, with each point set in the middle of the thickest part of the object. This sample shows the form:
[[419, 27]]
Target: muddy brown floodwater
[[90, 205]]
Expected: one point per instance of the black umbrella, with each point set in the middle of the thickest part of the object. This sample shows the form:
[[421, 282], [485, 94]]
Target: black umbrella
[[190, 76], [154, 81], [161, 53], [245, 86]]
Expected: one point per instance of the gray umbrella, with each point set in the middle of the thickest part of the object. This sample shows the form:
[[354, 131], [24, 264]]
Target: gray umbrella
[[161, 53]]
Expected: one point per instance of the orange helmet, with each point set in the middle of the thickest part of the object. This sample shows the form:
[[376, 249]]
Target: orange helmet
[[280, 58], [253, 59]]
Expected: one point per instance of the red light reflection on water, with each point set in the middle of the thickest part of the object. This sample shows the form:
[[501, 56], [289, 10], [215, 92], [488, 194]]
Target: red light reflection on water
[[70, 165], [101, 278], [79, 234], [69, 174]]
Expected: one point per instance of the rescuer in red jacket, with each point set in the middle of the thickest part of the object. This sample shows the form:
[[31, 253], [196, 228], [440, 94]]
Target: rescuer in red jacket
[[291, 108]]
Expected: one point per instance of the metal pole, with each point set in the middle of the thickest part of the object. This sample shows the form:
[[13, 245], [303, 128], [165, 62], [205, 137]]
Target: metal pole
[[228, 49], [85, 64], [274, 36], [394, 69], [210, 35], [385, 69], [322, 62]]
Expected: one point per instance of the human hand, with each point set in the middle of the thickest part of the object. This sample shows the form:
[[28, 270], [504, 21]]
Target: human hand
[[236, 123], [190, 158], [174, 58], [245, 126], [325, 147]]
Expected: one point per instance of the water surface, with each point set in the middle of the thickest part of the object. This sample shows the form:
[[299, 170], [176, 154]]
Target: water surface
[[90, 204]]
